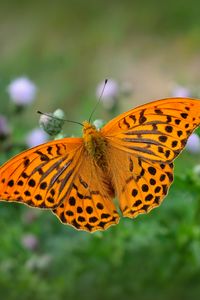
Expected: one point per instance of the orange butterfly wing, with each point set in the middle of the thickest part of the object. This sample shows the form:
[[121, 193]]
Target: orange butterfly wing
[[42, 176], [143, 143], [89, 204], [59, 175]]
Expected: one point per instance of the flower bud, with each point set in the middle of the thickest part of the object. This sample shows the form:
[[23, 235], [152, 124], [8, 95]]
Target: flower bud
[[98, 123], [52, 123]]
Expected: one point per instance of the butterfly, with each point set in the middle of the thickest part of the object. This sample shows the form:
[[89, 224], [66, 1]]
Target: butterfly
[[130, 158]]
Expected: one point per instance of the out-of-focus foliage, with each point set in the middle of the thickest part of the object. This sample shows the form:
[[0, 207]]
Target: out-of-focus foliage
[[150, 50]]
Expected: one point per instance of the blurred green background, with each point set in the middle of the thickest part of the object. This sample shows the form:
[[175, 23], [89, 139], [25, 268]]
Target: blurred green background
[[67, 48]]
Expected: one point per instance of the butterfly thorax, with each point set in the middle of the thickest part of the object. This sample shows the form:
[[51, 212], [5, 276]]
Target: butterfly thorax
[[95, 144]]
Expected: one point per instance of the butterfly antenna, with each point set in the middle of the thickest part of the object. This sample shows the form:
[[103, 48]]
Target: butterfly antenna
[[103, 89], [53, 117]]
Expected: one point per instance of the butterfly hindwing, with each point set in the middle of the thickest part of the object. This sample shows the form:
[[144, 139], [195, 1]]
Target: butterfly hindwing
[[140, 185], [88, 205]]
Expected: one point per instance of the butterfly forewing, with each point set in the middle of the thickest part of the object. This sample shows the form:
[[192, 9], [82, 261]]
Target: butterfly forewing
[[41, 176], [157, 131], [142, 146]]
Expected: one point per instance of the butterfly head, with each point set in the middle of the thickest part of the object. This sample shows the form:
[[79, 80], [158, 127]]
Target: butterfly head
[[89, 134], [88, 128]]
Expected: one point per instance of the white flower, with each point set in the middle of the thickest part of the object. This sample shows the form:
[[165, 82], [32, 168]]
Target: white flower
[[29, 241], [22, 91], [36, 137], [193, 143], [181, 91], [110, 93]]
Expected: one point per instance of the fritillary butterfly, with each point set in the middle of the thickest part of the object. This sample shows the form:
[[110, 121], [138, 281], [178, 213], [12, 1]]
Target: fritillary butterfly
[[130, 158]]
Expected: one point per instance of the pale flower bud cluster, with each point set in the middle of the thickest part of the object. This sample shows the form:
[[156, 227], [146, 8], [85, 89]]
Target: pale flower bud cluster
[[52, 123]]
